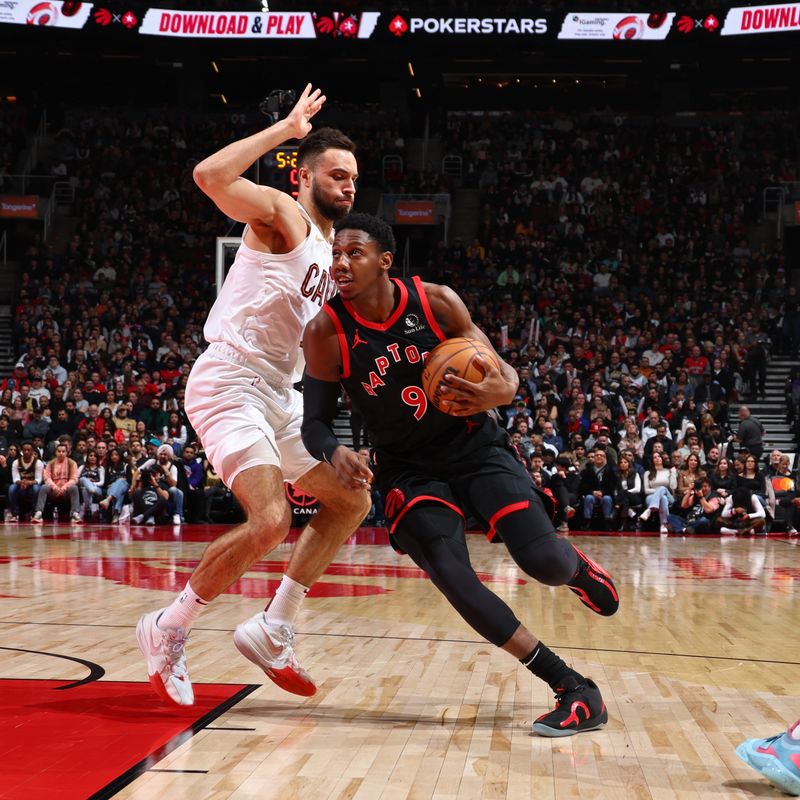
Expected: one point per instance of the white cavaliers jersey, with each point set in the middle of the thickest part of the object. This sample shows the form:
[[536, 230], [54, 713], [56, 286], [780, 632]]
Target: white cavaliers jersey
[[268, 299]]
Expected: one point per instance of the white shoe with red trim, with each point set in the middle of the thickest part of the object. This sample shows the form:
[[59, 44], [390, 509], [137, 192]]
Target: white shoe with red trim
[[269, 646], [166, 659]]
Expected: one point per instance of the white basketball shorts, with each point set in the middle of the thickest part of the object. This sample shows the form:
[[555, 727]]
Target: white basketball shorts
[[245, 418]]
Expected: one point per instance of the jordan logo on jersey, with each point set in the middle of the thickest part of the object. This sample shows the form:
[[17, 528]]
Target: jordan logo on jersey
[[357, 340]]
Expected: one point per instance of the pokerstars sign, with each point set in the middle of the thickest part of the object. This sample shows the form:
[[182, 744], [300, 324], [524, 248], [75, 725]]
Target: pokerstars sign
[[449, 26]]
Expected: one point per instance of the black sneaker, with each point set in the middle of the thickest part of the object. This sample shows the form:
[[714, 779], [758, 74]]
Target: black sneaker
[[594, 586], [579, 707]]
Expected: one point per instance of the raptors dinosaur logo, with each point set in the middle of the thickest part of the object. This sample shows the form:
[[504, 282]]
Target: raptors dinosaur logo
[[298, 498]]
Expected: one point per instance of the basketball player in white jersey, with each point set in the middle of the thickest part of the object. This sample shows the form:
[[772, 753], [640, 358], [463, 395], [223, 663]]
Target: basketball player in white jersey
[[241, 402]]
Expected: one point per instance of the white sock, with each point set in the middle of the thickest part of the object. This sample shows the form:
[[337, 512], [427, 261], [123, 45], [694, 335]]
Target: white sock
[[283, 608], [184, 610], [794, 731]]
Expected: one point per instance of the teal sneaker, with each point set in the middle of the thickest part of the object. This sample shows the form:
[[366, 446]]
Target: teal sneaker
[[776, 758]]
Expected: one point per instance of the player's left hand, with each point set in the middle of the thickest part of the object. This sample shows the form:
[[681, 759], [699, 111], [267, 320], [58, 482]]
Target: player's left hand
[[466, 398], [352, 469], [299, 118]]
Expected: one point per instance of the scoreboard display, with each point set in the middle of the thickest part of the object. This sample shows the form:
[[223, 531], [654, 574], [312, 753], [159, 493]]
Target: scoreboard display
[[279, 170]]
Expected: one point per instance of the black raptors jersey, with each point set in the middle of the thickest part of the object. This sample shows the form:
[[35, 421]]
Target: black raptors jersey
[[382, 367]]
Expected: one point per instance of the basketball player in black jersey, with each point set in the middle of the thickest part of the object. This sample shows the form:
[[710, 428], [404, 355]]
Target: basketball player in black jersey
[[433, 467]]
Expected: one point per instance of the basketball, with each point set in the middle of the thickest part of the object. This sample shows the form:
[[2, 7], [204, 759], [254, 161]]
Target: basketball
[[456, 357]]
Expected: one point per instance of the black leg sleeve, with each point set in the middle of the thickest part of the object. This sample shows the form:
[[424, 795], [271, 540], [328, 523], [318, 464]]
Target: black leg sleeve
[[433, 536], [532, 543]]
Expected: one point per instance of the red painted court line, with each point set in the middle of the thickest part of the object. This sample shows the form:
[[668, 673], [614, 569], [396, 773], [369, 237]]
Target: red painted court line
[[92, 740], [365, 536]]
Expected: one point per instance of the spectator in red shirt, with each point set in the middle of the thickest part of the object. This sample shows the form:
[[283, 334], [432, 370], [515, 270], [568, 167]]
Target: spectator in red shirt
[[170, 372], [17, 379], [696, 365], [93, 423]]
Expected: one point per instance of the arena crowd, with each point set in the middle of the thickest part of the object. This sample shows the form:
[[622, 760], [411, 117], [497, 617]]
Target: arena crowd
[[613, 268]]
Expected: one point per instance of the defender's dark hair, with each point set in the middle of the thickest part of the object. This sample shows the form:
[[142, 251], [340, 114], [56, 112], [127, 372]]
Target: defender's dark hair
[[319, 141], [377, 230]]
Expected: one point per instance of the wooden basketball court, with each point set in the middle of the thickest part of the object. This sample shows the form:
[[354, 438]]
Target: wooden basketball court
[[703, 654]]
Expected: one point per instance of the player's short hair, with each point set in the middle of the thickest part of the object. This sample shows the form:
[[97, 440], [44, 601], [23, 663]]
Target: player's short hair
[[377, 230], [319, 141]]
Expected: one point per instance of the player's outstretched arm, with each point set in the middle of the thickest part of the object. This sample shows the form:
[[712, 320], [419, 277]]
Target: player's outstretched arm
[[320, 397], [498, 386], [220, 175]]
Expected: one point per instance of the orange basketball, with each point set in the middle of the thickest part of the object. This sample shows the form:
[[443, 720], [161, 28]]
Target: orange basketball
[[456, 357]]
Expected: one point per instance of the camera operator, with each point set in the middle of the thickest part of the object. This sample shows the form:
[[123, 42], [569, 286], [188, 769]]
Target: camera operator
[[164, 464], [700, 507], [150, 498]]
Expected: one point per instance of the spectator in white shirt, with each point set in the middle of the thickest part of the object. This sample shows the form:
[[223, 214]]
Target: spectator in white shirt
[[59, 373]]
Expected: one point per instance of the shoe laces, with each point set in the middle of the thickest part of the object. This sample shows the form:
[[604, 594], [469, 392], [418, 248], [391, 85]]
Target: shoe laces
[[285, 636], [561, 693], [173, 649]]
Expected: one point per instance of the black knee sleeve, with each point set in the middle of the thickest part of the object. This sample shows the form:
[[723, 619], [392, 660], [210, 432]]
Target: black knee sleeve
[[543, 555]]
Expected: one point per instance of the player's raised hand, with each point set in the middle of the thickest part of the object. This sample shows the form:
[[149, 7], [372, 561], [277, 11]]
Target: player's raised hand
[[466, 398], [299, 118]]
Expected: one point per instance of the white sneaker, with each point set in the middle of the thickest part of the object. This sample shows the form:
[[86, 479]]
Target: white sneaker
[[176, 519], [166, 660], [76, 517], [125, 515], [270, 647], [663, 530], [728, 531], [645, 515], [37, 518], [138, 519]]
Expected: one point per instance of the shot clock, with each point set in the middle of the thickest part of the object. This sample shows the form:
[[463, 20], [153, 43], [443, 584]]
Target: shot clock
[[279, 170]]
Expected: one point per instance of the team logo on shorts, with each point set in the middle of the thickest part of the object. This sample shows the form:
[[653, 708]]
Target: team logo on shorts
[[395, 500]]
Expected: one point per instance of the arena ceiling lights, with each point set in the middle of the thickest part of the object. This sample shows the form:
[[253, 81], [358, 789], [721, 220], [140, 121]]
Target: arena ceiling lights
[[388, 25]]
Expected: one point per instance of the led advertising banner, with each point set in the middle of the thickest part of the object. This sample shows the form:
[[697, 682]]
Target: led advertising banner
[[762, 19], [258, 25], [51, 14], [414, 212], [400, 25], [19, 207], [389, 26], [619, 27]]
